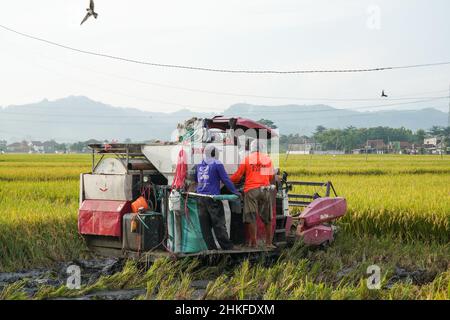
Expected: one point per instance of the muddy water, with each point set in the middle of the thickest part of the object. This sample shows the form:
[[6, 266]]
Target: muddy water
[[90, 271], [110, 295]]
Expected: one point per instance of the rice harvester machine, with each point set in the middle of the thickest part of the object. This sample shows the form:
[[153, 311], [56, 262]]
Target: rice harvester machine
[[138, 199]]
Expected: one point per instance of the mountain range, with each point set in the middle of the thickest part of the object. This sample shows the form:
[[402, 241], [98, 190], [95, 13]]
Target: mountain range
[[78, 118]]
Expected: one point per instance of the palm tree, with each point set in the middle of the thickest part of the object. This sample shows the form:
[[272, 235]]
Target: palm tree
[[268, 123], [435, 131]]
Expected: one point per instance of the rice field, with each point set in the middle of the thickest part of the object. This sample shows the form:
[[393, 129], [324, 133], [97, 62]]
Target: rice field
[[407, 196], [399, 215]]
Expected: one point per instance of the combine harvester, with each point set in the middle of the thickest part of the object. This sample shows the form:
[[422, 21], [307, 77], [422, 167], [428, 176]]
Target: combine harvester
[[136, 201]]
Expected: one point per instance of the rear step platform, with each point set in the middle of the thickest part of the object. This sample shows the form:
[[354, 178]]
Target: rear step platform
[[112, 247], [238, 253], [104, 246]]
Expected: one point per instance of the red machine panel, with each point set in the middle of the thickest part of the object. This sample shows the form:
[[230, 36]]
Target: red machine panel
[[102, 217], [323, 210], [317, 235]]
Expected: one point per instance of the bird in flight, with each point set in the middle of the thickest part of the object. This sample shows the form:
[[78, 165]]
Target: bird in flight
[[90, 12], [383, 95]]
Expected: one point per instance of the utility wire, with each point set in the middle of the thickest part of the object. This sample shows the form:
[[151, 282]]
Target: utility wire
[[206, 109], [219, 70], [291, 98], [422, 100], [244, 95], [234, 94], [418, 99]]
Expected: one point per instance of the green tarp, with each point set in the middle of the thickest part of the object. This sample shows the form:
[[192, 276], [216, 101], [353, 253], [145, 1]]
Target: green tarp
[[191, 235]]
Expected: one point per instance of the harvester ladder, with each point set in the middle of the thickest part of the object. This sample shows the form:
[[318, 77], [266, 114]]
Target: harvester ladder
[[303, 200]]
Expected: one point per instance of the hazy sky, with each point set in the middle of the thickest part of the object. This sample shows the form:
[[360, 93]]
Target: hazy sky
[[240, 34]]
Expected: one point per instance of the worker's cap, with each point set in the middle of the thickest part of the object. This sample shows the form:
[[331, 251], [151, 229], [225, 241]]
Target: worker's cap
[[210, 151], [258, 145]]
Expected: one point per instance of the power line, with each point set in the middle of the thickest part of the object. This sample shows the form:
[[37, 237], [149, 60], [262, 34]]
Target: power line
[[421, 99], [244, 95], [241, 95], [90, 84], [400, 97], [219, 70]]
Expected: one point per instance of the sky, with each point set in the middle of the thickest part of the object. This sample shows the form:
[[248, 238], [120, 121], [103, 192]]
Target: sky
[[233, 34]]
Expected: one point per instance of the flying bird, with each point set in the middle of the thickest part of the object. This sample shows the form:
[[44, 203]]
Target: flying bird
[[90, 12], [383, 95]]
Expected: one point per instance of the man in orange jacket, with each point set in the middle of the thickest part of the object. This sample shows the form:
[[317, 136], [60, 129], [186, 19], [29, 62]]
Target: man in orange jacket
[[258, 171]]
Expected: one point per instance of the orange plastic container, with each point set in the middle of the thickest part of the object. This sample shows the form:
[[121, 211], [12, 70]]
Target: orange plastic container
[[139, 203]]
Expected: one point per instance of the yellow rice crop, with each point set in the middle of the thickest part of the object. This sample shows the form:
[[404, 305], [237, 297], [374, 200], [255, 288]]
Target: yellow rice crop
[[408, 196]]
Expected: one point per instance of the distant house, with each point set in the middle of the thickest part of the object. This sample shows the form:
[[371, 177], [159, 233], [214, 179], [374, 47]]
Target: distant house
[[432, 141], [50, 146], [19, 147], [376, 146], [402, 147], [310, 148], [303, 148], [331, 152], [433, 145], [36, 146]]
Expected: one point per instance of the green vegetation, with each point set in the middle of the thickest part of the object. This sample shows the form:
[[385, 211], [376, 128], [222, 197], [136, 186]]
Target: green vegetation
[[399, 216], [336, 273], [38, 209], [406, 196], [352, 138]]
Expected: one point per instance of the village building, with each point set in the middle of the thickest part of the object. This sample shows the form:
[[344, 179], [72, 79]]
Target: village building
[[434, 145], [376, 146], [19, 147], [36, 146], [401, 147]]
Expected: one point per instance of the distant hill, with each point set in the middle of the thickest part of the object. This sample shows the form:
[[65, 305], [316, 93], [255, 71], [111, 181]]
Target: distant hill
[[304, 119], [78, 118]]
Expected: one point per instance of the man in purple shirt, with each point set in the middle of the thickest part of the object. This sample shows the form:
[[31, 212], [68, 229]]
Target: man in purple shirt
[[208, 175]]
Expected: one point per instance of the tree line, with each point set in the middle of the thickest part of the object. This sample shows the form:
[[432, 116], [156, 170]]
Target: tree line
[[352, 138]]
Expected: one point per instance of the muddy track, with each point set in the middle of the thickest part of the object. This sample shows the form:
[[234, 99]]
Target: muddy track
[[92, 270], [109, 295]]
